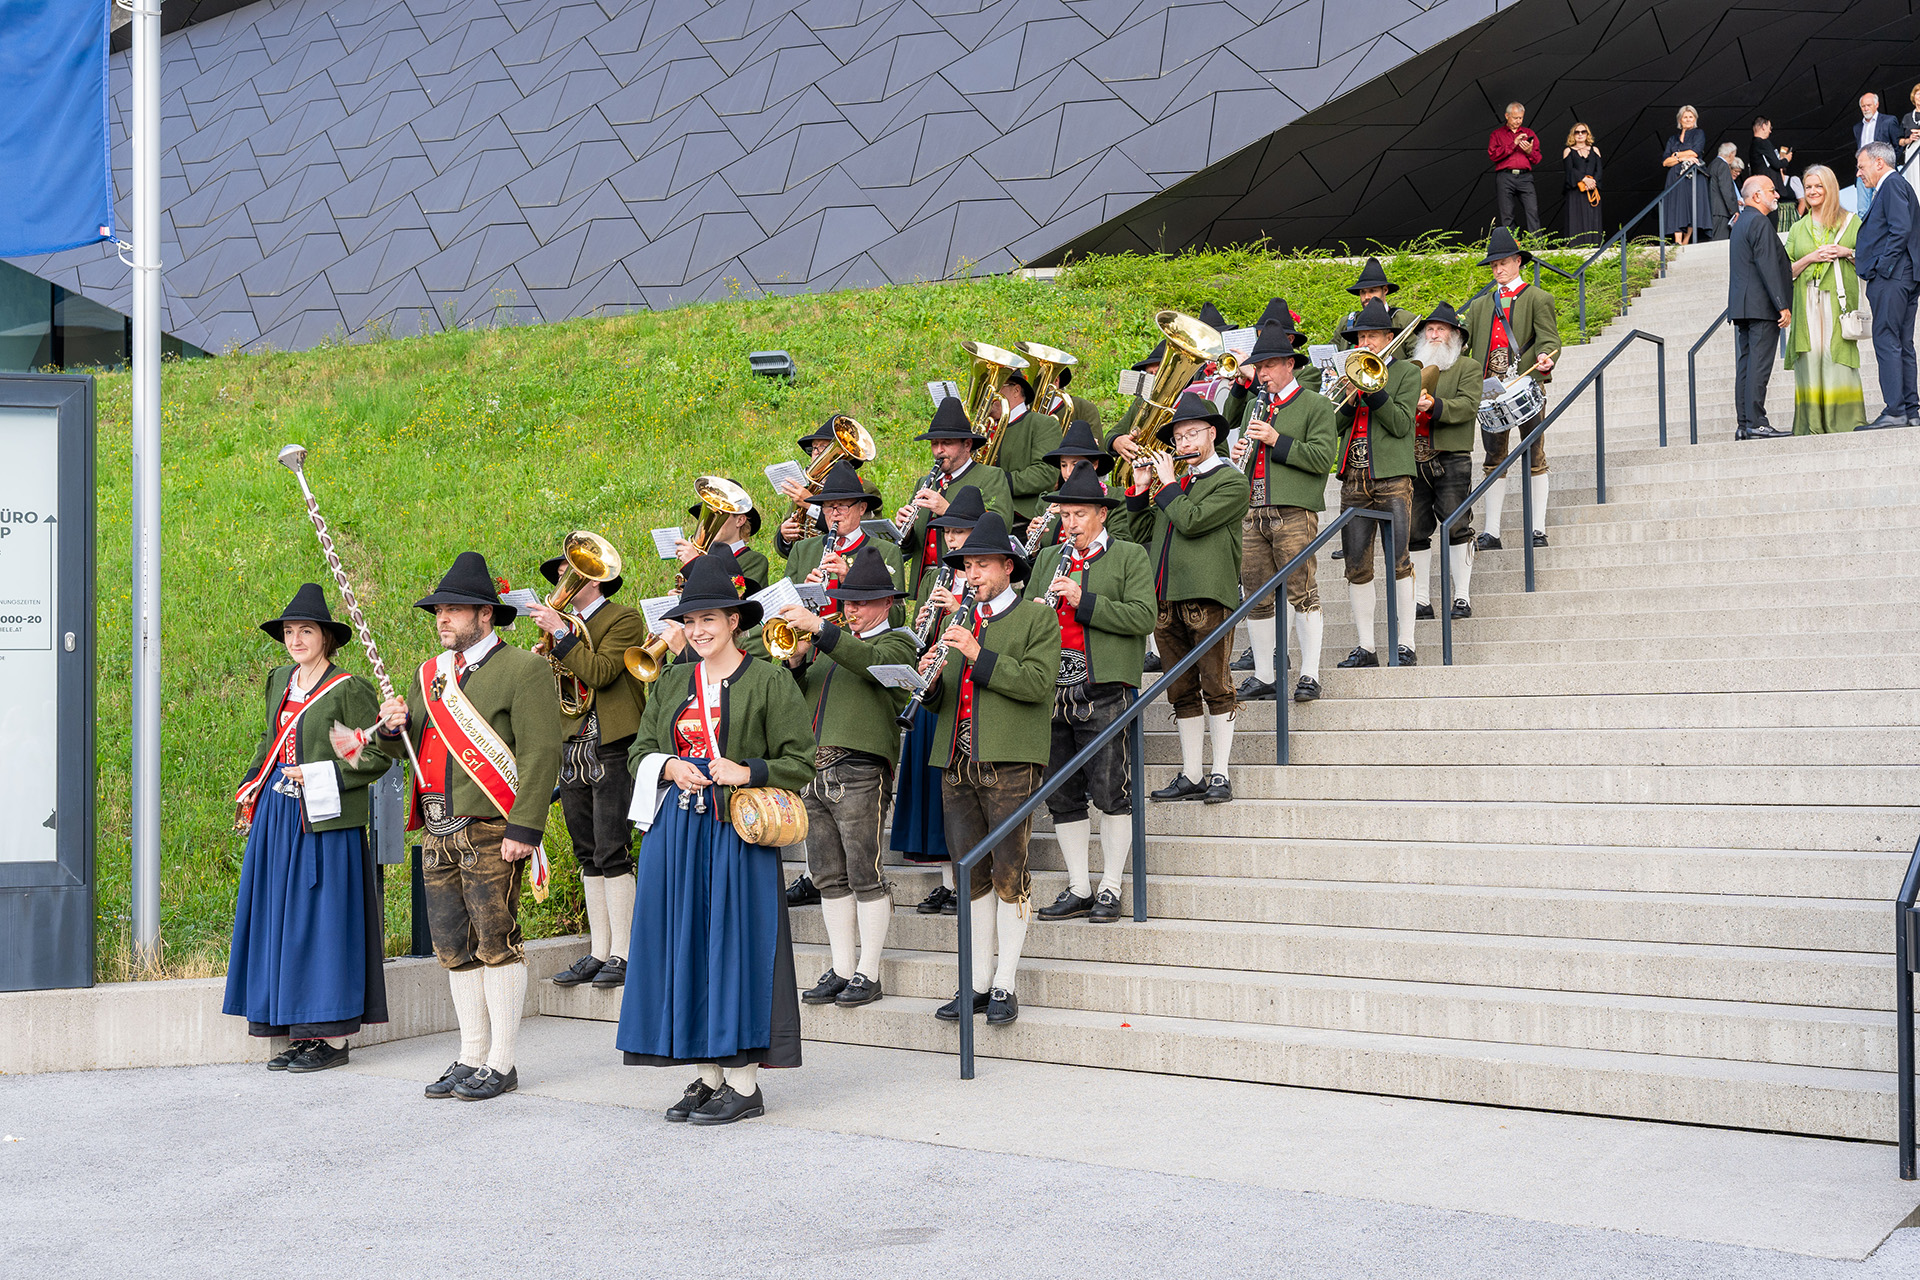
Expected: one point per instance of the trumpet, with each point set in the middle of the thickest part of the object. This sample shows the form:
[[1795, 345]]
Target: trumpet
[[646, 661], [992, 366], [903, 523], [781, 637], [850, 441], [961, 618], [590, 558], [1364, 372]]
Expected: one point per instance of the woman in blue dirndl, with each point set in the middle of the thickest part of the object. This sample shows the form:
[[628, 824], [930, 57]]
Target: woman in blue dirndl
[[309, 934], [710, 974]]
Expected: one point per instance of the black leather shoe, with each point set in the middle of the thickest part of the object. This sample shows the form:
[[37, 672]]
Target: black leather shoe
[[1254, 689], [1219, 790], [279, 1061], [1244, 662], [612, 974], [950, 1011], [1339, 553], [1884, 421], [1360, 658], [1308, 690], [581, 970], [487, 1084], [1741, 433], [449, 1079], [1424, 612], [1408, 658], [1486, 542], [860, 989], [830, 985], [1766, 431], [727, 1106], [951, 907], [936, 902], [1539, 539], [801, 893], [696, 1096], [1068, 906], [1150, 663], [1181, 788], [1461, 609], [319, 1056], [1002, 1007], [1106, 907]]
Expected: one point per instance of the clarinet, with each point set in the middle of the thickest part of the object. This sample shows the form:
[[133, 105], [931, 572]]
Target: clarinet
[[939, 652], [1262, 411], [923, 626], [1036, 530], [901, 526]]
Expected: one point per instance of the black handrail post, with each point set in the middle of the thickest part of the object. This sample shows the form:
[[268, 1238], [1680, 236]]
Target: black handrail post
[[418, 926], [1390, 554], [1137, 742], [1599, 444], [1660, 375], [1445, 536], [1581, 276], [1526, 509], [1281, 613], [1903, 969], [963, 999]]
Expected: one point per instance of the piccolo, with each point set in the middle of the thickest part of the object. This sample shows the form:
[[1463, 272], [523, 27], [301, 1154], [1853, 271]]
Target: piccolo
[[961, 618]]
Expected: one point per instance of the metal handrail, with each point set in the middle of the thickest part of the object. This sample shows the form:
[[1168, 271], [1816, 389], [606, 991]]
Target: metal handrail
[[1693, 395], [1595, 378], [1579, 273], [1222, 634], [1906, 941]]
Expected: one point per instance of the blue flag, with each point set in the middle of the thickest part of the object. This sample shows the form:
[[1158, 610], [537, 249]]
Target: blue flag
[[56, 182]]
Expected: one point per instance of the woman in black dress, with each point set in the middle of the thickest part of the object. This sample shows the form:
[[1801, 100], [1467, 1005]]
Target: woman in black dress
[[1685, 157], [1582, 155]]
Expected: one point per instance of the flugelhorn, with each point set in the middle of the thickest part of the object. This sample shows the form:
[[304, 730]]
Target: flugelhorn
[[781, 637], [1047, 363], [721, 499], [589, 558]]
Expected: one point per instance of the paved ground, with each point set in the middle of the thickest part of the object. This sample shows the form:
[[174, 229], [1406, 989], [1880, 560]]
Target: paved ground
[[234, 1171]]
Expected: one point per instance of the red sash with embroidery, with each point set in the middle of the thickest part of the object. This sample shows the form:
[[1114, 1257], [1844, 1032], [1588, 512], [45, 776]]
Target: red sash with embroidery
[[470, 740], [251, 787]]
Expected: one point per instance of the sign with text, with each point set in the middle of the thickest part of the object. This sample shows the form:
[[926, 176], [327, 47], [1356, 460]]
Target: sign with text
[[29, 680]]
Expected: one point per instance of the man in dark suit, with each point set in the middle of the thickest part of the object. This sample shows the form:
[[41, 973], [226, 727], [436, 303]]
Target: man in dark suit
[[1872, 127], [1887, 255], [1760, 304], [1764, 159], [1723, 195]]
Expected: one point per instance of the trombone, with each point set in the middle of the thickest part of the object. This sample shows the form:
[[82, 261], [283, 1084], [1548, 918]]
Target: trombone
[[1364, 371], [590, 558]]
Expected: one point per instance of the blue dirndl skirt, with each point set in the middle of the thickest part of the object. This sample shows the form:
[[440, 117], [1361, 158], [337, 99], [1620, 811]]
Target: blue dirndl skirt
[[308, 928], [710, 974], [919, 818]]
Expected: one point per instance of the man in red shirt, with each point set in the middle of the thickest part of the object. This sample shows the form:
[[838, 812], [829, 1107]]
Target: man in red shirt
[[1515, 150]]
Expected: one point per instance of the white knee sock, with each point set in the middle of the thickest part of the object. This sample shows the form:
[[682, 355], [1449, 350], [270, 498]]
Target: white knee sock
[[745, 1080], [1192, 729], [1013, 935], [1220, 729], [1311, 628], [594, 890], [1264, 633], [1153, 645], [711, 1076], [620, 913], [1361, 599], [1539, 483], [1496, 496], [1403, 599], [470, 1008], [1074, 838], [874, 917], [1116, 848], [843, 931], [331, 1042], [1422, 572], [506, 986], [1460, 561], [984, 910], [946, 876]]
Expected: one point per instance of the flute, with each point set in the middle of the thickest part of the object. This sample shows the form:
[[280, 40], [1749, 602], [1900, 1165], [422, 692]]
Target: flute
[[939, 654]]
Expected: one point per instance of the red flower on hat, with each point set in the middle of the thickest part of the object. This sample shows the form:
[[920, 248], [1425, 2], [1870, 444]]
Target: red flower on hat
[[1296, 316], [502, 584], [739, 584]]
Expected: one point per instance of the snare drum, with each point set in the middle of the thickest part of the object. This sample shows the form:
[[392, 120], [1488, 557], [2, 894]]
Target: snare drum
[[1517, 408]]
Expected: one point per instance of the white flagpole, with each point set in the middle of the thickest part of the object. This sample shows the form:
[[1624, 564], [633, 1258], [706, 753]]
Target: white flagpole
[[145, 148]]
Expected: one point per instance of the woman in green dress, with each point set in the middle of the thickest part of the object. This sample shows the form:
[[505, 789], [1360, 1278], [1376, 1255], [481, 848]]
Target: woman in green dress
[[1826, 367]]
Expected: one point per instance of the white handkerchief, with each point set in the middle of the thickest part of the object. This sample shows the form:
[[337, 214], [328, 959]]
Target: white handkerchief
[[648, 790], [320, 790]]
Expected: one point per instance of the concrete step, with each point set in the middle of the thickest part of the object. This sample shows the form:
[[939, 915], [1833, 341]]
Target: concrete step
[[1547, 674], [1787, 558], [1810, 498], [1879, 719], [1617, 526], [1757, 750], [1703, 648]]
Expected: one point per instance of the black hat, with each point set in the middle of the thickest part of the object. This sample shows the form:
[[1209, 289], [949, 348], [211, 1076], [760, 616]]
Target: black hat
[[1083, 489], [1445, 314], [1193, 407], [867, 578], [308, 605], [1372, 316], [469, 582], [1020, 380], [1500, 245], [1065, 379], [989, 537], [550, 570], [714, 581], [699, 509], [1154, 357], [1278, 313], [1210, 315], [1373, 277], [1271, 342], [963, 509], [842, 484], [1078, 442], [950, 423]]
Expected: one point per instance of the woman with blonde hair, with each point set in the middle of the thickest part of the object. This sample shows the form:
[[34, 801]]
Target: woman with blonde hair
[[1826, 366], [1582, 154], [1684, 205]]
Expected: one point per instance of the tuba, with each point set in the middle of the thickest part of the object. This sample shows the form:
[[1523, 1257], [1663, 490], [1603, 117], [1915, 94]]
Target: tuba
[[1191, 346], [1363, 372], [986, 407], [850, 441], [590, 558], [1047, 362]]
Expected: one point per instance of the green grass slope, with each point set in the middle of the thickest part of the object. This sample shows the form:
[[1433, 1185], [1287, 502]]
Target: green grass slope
[[504, 439]]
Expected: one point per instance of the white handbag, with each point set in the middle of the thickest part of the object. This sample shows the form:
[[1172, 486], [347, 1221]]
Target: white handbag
[[1857, 325]]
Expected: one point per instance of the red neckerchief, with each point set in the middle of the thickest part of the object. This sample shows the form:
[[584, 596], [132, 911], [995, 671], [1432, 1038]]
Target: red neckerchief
[[692, 734], [1260, 450], [1072, 634]]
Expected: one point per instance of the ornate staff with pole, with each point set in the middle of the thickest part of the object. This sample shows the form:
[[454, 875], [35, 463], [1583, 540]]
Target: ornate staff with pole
[[292, 458]]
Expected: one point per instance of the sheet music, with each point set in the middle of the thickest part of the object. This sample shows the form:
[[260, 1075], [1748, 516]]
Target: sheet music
[[897, 675], [1323, 354], [938, 391], [521, 598], [1238, 341], [1134, 382], [781, 472], [654, 606], [664, 541], [777, 597]]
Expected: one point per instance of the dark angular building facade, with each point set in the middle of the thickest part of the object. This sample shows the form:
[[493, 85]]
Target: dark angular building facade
[[337, 166]]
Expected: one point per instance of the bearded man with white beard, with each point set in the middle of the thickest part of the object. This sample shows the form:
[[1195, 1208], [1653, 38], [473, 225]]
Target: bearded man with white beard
[[1449, 409]]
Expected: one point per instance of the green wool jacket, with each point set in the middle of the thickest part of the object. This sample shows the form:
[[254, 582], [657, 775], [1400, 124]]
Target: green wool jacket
[[850, 709], [1390, 426], [1240, 399], [808, 553], [1012, 690], [602, 667], [994, 494], [1400, 316], [514, 690], [1084, 410], [1300, 461], [1117, 607], [784, 547], [755, 568], [1534, 329], [1023, 449], [1195, 535], [1456, 407], [356, 704], [763, 724]]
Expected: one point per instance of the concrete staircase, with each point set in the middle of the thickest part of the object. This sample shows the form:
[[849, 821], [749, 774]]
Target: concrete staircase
[[1630, 856]]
